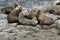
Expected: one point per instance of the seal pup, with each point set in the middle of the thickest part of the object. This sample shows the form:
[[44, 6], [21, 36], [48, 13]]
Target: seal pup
[[13, 15], [43, 19], [8, 9], [24, 20]]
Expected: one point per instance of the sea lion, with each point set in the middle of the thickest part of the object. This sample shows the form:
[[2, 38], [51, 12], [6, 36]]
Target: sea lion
[[43, 19], [8, 9], [23, 19], [13, 15], [55, 10]]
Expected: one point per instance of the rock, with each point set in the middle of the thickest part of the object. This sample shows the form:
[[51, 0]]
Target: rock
[[3, 16], [46, 35], [58, 24], [3, 24], [54, 31], [12, 24], [3, 36], [9, 30], [28, 28], [27, 32], [39, 26], [54, 17]]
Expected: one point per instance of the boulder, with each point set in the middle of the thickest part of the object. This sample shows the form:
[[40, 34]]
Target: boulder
[[3, 22]]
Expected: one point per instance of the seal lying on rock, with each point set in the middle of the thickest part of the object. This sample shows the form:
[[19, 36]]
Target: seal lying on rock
[[24, 20], [57, 12], [55, 9], [43, 19], [8, 9], [13, 16]]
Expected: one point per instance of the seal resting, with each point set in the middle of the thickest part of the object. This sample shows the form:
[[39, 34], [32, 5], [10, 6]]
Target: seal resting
[[55, 9], [8, 9], [13, 15], [25, 20], [43, 19]]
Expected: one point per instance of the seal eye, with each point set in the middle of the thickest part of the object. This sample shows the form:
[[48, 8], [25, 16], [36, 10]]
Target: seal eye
[[39, 10]]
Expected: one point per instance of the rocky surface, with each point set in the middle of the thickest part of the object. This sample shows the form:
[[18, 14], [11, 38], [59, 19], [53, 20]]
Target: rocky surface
[[12, 31], [22, 32]]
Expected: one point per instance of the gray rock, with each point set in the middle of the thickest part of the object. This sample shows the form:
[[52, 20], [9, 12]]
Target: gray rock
[[9, 30], [3, 16], [54, 31], [38, 26], [3, 36], [3, 24], [54, 17], [28, 28], [12, 24], [58, 23]]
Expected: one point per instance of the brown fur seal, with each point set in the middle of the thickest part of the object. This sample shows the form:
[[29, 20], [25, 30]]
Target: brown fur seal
[[8, 9], [13, 16], [24, 20], [43, 19]]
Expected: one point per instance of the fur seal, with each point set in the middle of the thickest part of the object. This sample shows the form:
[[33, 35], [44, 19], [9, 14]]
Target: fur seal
[[57, 12], [55, 9], [8, 9], [24, 20], [43, 19], [13, 15]]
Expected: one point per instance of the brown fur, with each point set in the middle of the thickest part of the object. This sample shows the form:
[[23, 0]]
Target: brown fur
[[7, 10], [43, 19], [13, 16]]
